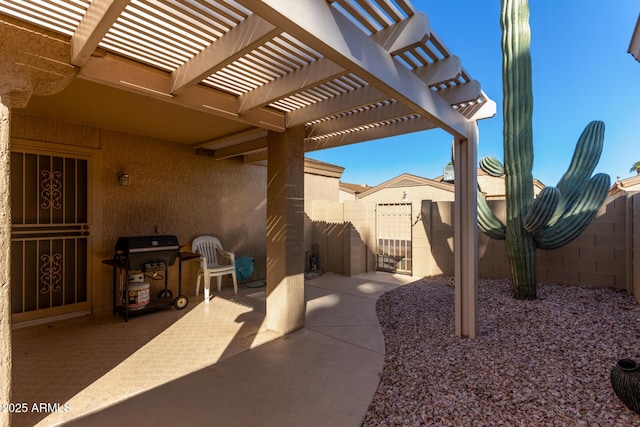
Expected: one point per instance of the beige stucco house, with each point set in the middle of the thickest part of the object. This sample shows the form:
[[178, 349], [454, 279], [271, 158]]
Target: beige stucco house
[[349, 191], [408, 187], [626, 185]]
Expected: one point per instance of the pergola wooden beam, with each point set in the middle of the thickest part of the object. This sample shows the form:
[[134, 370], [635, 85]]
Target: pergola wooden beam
[[98, 19], [128, 75], [308, 76], [240, 40], [466, 92], [244, 148], [440, 72], [487, 110], [408, 33], [243, 135], [326, 30]]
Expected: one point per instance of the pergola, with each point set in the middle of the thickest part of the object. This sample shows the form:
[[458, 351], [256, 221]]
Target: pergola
[[257, 80]]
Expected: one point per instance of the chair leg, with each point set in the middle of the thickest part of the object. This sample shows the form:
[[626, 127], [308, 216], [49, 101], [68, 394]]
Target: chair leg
[[207, 284], [219, 283], [235, 282], [198, 284]]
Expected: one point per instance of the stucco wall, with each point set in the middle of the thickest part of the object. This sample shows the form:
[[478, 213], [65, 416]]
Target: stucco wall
[[172, 191], [394, 194], [494, 187], [345, 195], [316, 188], [344, 233]]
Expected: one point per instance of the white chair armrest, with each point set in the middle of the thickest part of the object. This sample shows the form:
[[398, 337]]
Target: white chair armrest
[[226, 255]]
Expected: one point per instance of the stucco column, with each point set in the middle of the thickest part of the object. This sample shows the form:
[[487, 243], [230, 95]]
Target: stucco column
[[285, 231], [5, 248], [466, 233]]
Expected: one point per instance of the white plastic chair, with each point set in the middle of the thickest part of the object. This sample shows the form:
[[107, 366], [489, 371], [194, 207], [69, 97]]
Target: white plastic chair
[[214, 262]]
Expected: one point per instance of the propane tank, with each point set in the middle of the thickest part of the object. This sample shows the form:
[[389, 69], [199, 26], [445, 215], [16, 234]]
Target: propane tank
[[138, 292]]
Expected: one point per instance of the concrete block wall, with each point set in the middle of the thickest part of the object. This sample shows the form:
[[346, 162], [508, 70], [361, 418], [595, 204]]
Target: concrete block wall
[[362, 218], [601, 256], [420, 242], [437, 225], [633, 255], [340, 231], [597, 257]]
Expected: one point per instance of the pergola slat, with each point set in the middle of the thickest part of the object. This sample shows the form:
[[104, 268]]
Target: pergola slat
[[364, 96], [371, 133], [356, 119], [246, 36]]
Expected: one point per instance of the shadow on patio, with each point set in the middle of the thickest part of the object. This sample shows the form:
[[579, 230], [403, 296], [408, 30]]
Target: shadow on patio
[[174, 368], [94, 362]]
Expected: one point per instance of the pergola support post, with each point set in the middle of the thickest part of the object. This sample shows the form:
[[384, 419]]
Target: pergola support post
[[285, 230], [466, 233], [5, 256]]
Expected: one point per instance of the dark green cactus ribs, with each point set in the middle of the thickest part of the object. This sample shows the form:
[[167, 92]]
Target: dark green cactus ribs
[[559, 214]]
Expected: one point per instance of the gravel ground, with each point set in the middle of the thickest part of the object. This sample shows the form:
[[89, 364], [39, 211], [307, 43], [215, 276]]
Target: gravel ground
[[534, 363]]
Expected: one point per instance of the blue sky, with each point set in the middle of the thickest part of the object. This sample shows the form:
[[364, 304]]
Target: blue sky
[[581, 72]]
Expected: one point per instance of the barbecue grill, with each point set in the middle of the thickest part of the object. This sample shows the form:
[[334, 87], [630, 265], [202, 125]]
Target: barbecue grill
[[150, 254], [147, 253]]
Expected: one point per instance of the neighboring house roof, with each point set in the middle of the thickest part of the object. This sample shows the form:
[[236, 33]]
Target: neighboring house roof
[[634, 46], [624, 185], [316, 167], [537, 184], [407, 180], [353, 188]]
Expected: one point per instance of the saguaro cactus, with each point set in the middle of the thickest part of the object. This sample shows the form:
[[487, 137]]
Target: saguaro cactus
[[559, 214]]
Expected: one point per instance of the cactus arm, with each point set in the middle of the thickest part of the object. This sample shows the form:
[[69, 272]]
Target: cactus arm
[[488, 222], [542, 209], [575, 220], [491, 166], [585, 158]]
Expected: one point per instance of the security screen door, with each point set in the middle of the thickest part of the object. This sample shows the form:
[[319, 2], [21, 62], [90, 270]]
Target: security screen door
[[49, 235], [393, 229]]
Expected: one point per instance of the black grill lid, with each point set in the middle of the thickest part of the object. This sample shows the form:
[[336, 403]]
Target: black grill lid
[[146, 243]]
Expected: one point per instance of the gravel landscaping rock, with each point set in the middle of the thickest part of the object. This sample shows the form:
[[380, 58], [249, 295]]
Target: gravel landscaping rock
[[534, 363]]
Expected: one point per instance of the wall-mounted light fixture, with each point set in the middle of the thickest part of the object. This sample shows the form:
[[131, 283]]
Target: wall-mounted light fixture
[[404, 197], [123, 178]]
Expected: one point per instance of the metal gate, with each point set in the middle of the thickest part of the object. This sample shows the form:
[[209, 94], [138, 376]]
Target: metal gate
[[393, 233], [49, 235]]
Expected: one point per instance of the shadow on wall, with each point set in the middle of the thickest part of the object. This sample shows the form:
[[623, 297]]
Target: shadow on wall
[[437, 220], [341, 248], [596, 257]]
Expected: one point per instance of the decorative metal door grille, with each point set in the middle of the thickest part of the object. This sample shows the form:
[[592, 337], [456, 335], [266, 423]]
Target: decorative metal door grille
[[393, 228], [49, 236]]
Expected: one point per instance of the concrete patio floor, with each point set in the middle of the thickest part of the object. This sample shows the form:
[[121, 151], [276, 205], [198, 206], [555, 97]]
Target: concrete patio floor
[[210, 364]]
